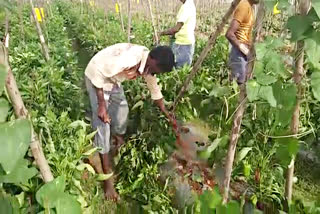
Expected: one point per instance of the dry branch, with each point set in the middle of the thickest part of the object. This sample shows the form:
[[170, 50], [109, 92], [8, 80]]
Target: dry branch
[[237, 120], [153, 23], [210, 44], [298, 75], [44, 46]]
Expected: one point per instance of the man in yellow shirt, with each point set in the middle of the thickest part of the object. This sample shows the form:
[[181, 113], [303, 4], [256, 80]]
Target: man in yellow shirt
[[183, 31], [239, 35]]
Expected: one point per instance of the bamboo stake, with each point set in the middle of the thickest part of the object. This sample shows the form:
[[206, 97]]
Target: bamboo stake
[[20, 11], [22, 113], [44, 46], [298, 75], [237, 120], [129, 20], [210, 44], [120, 14], [153, 23], [6, 35]]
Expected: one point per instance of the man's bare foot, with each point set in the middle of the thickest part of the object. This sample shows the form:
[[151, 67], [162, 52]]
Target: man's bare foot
[[110, 193]]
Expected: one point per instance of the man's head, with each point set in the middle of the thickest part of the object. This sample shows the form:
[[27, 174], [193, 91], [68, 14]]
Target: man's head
[[254, 1], [160, 60]]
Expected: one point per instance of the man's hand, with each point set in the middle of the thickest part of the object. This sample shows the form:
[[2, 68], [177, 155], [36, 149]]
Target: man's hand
[[103, 115], [244, 49], [173, 121]]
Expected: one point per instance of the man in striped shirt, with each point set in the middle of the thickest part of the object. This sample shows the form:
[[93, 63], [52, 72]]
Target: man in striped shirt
[[239, 35]]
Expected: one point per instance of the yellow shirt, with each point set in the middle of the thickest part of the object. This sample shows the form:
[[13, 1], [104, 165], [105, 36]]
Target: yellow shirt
[[244, 15], [187, 15], [108, 67]]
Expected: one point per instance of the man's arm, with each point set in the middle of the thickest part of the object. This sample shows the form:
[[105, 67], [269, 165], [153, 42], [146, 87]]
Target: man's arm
[[163, 108], [102, 108], [173, 30], [231, 36], [231, 33]]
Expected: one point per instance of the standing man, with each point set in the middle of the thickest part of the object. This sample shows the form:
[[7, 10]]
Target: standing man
[[239, 35], [103, 75], [183, 31]]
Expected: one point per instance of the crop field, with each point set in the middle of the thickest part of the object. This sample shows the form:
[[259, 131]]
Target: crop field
[[271, 123]]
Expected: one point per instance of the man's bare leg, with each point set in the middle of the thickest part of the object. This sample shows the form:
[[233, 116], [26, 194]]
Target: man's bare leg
[[109, 191], [119, 141]]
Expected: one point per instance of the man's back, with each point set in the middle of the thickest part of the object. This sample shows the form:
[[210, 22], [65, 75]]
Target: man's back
[[187, 15], [244, 15]]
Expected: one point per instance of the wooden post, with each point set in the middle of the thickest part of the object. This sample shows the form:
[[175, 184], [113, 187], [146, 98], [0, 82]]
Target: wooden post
[[153, 23], [44, 46], [120, 14], [210, 44], [6, 34], [22, 113], [237, 120], [129, 20], [304, 6]]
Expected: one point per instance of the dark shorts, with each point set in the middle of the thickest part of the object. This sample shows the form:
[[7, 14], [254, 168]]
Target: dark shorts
[[238, 63]]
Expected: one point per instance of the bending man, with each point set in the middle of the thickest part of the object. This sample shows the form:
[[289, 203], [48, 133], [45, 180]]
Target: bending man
[[104, 74]]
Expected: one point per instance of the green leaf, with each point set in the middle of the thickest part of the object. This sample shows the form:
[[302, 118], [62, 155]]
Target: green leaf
[[316, 7], [211, 198], [261, 50], [138, 104], [21, 173], [67, 204], [219, 91], [3, 76], [5, 205], [83, 166], [103, 177], [315, 84], [91, 151], [49, 194], [4, 109], [288, 148], [285, 95], [242, 154], [313, 52], [299, 25], [231, 207], [262, 78], [207, 152], [275, 65], [15, 137], [266, 93], [253, 89]]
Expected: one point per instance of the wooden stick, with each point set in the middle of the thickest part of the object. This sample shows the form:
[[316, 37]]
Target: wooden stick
[[153, 23], [237, 120], [45, 49], [120, 14], [22, 113], [129, 20], [298, 75], [210, 44]]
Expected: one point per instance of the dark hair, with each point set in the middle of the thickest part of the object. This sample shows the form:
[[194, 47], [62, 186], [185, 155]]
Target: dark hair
[[164, 57]]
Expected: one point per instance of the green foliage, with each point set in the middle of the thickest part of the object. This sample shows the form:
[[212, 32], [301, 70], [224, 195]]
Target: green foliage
[[15, 138], [52, 195], [3, 75]]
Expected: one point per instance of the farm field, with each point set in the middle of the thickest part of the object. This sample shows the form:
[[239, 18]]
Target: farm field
[[46, 140]]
